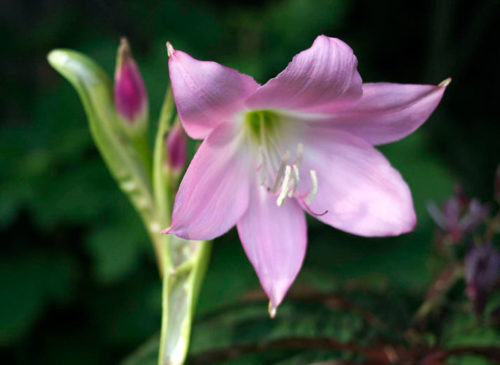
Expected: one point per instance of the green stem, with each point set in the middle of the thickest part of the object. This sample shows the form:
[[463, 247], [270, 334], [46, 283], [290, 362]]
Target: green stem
[[141, 145], [184, 272], [180, 295], [161, 181]]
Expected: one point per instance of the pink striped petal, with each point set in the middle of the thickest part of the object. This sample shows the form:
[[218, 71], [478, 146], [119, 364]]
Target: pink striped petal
[[206, 93], [319, 79], [357, 187], [389, 112], [274, 239], [214, 193]]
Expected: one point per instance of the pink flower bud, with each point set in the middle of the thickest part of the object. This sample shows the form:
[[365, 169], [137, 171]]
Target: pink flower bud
[[176, 144], [131, 101]]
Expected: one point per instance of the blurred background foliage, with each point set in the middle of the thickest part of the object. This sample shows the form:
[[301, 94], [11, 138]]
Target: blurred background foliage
[[77, 274]]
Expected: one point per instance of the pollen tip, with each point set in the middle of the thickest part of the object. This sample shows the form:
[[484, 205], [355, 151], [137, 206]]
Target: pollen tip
[[170, 49], [272, 310], [445, 82]]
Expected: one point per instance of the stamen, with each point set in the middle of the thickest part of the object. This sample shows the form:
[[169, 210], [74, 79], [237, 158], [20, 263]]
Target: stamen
[[295, 181], [284, 186], [261, 159], [300, 152], [314, 189], [281, 171]]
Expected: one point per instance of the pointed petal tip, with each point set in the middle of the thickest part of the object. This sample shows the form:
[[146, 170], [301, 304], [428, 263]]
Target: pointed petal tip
[[411, 226], [170, 49], [167, 230], [272, 309], [445, 82]]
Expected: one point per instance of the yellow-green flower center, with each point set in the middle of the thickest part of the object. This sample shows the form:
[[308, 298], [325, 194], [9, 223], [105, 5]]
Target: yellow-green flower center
[[262, 124]]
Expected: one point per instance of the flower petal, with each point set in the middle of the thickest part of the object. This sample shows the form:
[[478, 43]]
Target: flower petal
[[213, 194], [274, 239], [321, 78], [206, 93], [388, 112], [356, 186]]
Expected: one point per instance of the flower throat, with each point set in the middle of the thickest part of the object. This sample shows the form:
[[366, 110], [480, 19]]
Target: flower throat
[[278, 167]]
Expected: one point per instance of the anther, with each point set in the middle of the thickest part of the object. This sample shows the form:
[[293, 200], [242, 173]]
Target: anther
[[281, 171], [284, 186], [295, 182], [314, 189]]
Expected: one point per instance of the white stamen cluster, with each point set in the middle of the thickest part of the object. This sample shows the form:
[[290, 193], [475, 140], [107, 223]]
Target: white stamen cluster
[[287, 178], [278, 172]]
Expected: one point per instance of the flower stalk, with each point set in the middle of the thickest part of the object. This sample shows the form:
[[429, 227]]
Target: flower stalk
[[186, 260]]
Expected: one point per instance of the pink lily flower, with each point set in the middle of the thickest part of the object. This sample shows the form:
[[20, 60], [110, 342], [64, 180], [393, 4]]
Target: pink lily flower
[[303, 141]]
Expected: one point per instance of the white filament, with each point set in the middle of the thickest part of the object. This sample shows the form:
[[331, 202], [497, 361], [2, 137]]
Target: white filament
[[285, 186], [278, 174], [314, 189]]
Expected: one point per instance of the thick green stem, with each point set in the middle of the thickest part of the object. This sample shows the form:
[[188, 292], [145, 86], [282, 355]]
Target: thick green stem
[[180, 295], [185, 261]]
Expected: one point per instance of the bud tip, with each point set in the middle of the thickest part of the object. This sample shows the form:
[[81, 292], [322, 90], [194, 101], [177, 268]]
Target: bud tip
[[124, 52]]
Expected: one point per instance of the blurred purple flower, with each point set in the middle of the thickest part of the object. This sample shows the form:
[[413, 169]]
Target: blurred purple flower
[[458, 215], [482, 268]]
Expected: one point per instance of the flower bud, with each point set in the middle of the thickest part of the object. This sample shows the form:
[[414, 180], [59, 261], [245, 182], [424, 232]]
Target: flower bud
[[176, 144], [131, 101], [482, 268]]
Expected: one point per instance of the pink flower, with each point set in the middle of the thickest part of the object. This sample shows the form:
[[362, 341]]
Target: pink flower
[[131, 100], [301, 142]]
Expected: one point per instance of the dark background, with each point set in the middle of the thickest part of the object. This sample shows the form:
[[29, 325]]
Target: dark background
[[78, 283]]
